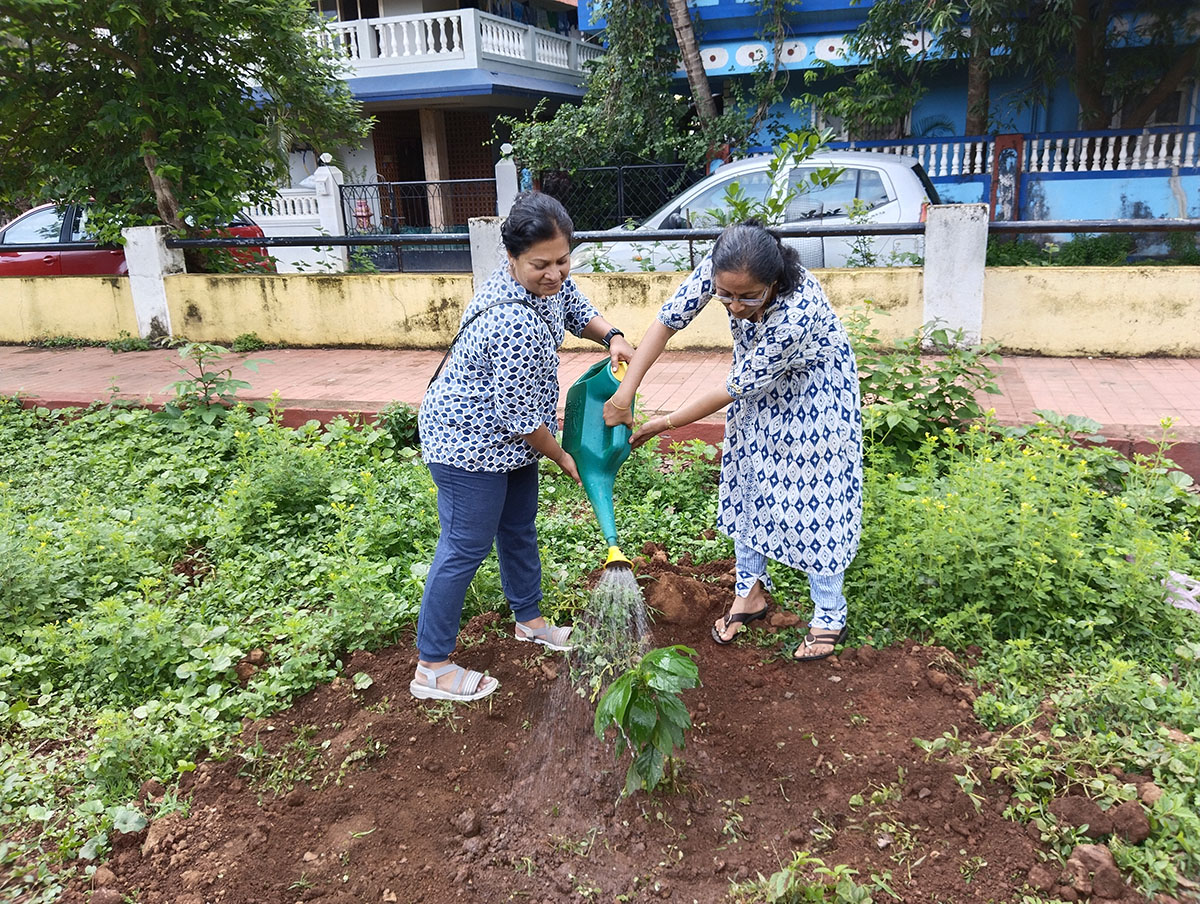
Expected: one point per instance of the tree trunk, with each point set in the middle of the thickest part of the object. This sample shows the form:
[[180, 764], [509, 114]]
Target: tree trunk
[[1089, 74], [685, 35], [164, 193], [979, 87]]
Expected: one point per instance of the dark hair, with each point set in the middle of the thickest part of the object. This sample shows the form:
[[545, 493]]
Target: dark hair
[[750, 247], [534, 218]]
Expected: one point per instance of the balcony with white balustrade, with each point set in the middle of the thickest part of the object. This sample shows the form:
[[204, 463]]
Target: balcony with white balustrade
[[460, 39]]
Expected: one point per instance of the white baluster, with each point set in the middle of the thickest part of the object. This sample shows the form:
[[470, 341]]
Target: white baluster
[[1110, 158], [1189, 155], [957, 150], [1176, 149], [456, 22]]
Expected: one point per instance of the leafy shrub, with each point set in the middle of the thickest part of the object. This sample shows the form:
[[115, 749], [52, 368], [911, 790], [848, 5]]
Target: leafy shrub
[[126, 342], [926, 383], [644, 705], [1107, 250], [62, 342], [400, 420], [988, 538], [248, 342]]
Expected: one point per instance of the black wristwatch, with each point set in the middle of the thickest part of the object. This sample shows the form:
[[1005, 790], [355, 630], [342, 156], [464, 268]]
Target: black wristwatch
[[608, 337]]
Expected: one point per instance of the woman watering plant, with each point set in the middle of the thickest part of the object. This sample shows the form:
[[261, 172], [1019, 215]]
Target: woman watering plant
[[791, 469], [484, 422]]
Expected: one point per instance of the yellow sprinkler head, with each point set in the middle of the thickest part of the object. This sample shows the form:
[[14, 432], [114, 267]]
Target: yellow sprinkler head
[[616, 557]]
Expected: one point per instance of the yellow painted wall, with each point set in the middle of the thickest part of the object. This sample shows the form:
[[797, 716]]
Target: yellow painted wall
[[83, 307], [1045, 310], [1121, 311], [398, 310]]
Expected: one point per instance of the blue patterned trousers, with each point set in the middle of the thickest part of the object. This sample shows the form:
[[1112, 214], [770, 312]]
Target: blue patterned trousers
[[829, 603]]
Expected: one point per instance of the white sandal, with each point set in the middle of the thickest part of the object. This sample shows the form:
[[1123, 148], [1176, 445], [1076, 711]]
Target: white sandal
[[468, 684], [552, 636]]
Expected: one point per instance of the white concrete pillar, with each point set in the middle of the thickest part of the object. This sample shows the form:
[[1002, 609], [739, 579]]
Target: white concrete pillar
[[487, 251], [327, 182], [955, 253], [507, 183], [149, 260]]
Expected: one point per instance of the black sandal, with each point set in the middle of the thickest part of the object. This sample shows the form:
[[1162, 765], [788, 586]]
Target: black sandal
[[819, 638], [736, 618]]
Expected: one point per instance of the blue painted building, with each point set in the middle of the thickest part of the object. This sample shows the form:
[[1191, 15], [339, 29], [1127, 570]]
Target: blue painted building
[[1061, 172]]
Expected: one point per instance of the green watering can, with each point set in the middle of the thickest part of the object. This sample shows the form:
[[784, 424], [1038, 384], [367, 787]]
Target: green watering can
[[598, 450]]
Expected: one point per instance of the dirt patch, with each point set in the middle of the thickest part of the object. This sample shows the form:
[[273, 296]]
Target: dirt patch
[[366, 795]]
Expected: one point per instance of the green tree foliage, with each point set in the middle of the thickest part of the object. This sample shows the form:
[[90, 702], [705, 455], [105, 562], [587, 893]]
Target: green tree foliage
[[1136, 53], [161, 111], [632, 108]]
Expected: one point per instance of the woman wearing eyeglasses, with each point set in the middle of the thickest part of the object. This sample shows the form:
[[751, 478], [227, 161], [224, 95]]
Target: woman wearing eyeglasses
[[791, 469]]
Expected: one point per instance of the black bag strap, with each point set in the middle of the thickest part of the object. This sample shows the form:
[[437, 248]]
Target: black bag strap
[[462, 329]]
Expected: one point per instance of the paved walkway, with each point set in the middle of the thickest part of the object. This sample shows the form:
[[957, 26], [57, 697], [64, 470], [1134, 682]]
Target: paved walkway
[[1128, 396]]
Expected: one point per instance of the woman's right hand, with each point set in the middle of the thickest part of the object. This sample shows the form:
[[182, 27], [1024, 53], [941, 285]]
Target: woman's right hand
[[614, 415], [567, 463], [651, 428]]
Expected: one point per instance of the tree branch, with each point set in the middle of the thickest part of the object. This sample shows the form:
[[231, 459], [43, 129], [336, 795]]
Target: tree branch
[[1161, 91]]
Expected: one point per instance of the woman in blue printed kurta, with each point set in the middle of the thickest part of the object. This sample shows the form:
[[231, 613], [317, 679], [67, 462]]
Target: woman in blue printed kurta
[[791, 469], [485, 421]]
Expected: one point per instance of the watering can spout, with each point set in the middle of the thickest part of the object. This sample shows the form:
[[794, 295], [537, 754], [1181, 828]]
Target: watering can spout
[[598, 450], [616, 559]]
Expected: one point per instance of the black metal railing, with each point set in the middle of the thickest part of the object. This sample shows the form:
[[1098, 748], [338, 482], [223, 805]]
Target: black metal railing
[[416, 208], [601, 197]]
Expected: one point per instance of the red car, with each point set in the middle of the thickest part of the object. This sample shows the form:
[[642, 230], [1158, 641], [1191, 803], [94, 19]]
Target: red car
[[49, 223]]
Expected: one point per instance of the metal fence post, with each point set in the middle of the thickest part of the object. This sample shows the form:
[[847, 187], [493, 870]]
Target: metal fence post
[[955, 254], [506, 180], [149, 260]]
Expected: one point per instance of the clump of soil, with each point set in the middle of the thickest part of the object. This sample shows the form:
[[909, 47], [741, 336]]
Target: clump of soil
[[371, 796]]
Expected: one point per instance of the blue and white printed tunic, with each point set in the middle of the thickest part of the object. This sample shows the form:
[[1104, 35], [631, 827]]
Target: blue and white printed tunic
[[791, 470], [501, 381]]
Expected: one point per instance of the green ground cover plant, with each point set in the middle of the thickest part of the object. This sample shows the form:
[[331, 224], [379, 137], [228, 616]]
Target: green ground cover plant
[[143, 558]]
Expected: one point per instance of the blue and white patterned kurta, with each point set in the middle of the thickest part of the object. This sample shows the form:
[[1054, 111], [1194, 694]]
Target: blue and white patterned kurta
[[791, 470], [501, 381]]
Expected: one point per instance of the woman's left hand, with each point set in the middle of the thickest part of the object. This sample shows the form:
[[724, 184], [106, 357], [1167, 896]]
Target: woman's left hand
[[619, 350], [651, 428]]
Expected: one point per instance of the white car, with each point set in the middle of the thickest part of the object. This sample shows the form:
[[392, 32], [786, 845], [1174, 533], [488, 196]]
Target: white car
[[890, 188]]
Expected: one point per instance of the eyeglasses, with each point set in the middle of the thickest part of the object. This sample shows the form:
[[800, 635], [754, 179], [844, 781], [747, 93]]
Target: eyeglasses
[[751, 302]]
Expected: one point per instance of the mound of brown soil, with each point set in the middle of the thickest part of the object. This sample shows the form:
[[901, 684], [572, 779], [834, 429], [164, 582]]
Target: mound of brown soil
[[371, 796]]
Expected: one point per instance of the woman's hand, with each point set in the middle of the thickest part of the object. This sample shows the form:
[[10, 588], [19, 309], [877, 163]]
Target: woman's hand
[[619, 350], [614, 414], [567, 463], [651, 428]]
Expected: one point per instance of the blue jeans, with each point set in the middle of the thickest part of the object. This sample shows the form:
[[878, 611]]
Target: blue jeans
[[475, 510], [829, 603]]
